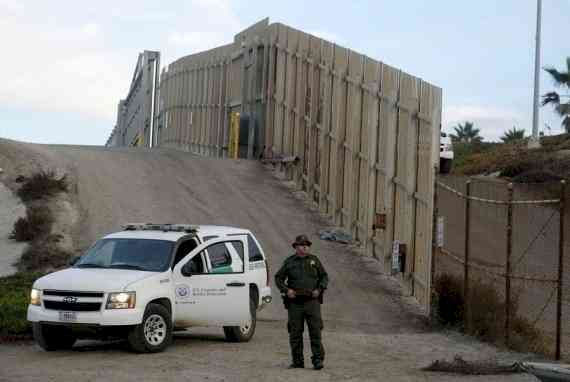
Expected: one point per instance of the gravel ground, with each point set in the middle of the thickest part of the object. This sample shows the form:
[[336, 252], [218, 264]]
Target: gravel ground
[[372, 332]]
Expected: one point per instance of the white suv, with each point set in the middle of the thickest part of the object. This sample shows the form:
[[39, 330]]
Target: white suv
[[150, 279]]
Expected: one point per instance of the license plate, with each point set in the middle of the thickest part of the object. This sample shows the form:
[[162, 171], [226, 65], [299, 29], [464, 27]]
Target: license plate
[[68, 316]]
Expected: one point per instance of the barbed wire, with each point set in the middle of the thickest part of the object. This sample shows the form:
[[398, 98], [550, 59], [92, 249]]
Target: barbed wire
[[545, 306], [500, 202], [489, 271], [533, 240]]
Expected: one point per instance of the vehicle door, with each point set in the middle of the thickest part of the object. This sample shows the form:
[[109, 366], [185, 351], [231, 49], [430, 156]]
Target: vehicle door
[[210, 285]]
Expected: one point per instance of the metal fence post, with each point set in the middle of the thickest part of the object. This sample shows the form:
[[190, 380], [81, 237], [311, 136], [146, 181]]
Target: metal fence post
[[508, 264], [466, 319], [560, 268], [434, 247]]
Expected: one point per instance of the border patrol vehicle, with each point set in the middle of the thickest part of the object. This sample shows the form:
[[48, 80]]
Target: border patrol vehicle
[[150, 279]]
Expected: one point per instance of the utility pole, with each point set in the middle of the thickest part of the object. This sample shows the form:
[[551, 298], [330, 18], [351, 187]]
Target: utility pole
[[534, 141]]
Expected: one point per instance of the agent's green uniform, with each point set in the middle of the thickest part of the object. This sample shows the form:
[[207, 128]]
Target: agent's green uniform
[[303, 274]]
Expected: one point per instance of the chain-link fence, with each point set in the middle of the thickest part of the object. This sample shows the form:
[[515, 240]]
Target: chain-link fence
[[505, 243]]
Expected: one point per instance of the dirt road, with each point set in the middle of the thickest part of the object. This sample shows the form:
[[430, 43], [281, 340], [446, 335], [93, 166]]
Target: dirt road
[[371, 331]]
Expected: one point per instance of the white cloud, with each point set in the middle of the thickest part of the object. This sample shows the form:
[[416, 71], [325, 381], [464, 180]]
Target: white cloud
[[492, 121], [78, 60], [331, 37], [63, 69], [197, 41], [461, 113], [90, 30], [215, 24]]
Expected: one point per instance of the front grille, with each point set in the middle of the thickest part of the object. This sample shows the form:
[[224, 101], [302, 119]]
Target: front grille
[[74, 307], [72, 293]]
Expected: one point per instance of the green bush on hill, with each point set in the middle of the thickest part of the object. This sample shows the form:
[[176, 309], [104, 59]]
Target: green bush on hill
[[516, 160]]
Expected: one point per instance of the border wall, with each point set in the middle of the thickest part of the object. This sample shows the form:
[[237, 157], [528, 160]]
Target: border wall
[[366, 134], [137, 113]]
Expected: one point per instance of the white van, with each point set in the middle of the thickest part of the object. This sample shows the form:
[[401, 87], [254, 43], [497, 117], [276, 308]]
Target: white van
[[150, 279]]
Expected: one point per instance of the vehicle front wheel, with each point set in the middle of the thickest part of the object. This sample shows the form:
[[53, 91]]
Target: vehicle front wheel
[[244, 332], [53, 337], [154, 333]]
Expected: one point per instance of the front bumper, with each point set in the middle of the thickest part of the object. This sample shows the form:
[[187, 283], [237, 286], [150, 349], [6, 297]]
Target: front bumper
[[104, 317]]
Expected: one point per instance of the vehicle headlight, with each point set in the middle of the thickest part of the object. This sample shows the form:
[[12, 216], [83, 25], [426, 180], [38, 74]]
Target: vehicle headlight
[[121, 300], [35, 297]]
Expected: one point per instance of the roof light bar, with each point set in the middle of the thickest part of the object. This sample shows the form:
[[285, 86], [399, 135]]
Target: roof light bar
[[165, 227]]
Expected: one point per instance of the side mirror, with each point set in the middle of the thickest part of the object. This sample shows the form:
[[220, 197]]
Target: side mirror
[[186, 270], [74, 260]]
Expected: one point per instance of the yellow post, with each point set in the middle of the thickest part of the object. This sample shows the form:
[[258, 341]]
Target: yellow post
[[234, 136]]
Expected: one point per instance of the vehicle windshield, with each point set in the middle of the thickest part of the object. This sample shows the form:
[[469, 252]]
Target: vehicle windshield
[[138, 254]]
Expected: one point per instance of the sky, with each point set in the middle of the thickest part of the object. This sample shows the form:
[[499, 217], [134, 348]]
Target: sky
[[66, 64]]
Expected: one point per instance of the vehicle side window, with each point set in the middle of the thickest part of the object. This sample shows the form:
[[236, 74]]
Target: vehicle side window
[[195, 266], [238, 246], [206, 238], [253, 249], [184, 249], [220, 258]]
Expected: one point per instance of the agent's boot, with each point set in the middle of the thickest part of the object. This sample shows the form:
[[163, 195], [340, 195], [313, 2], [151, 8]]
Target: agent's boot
[[317, 364]]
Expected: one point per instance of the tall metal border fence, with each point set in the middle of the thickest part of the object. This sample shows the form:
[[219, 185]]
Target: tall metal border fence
[[508, 239], [366, 135]]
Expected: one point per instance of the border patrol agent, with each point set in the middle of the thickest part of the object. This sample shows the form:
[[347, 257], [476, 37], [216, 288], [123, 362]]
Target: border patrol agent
[[302, 279]]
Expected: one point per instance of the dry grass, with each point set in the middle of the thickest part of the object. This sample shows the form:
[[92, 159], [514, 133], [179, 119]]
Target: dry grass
[[36, 224], [44, 252], [44, 255], [486, 314], [42, 185]]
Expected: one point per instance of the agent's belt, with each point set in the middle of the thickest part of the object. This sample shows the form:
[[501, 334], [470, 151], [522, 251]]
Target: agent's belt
[[303, 292]]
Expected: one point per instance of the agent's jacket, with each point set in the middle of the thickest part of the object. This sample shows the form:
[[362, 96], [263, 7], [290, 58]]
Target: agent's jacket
[[302, 274]]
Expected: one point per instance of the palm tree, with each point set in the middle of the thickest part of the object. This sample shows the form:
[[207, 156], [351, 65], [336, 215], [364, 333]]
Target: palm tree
[[513, 135], [561, 79], [466, 133]]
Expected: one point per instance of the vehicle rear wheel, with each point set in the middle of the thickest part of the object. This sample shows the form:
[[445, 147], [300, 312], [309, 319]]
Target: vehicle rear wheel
[[244, 332], [154, 333], [53, 337]]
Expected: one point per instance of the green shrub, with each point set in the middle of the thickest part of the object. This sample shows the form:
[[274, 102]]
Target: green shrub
[[449, 301], [42, 184], [462, 151], [37, 223], [14, 299], [536, 176], [555, 142]]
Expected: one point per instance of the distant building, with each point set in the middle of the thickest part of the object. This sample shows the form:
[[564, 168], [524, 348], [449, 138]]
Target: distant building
[[137, 113]]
